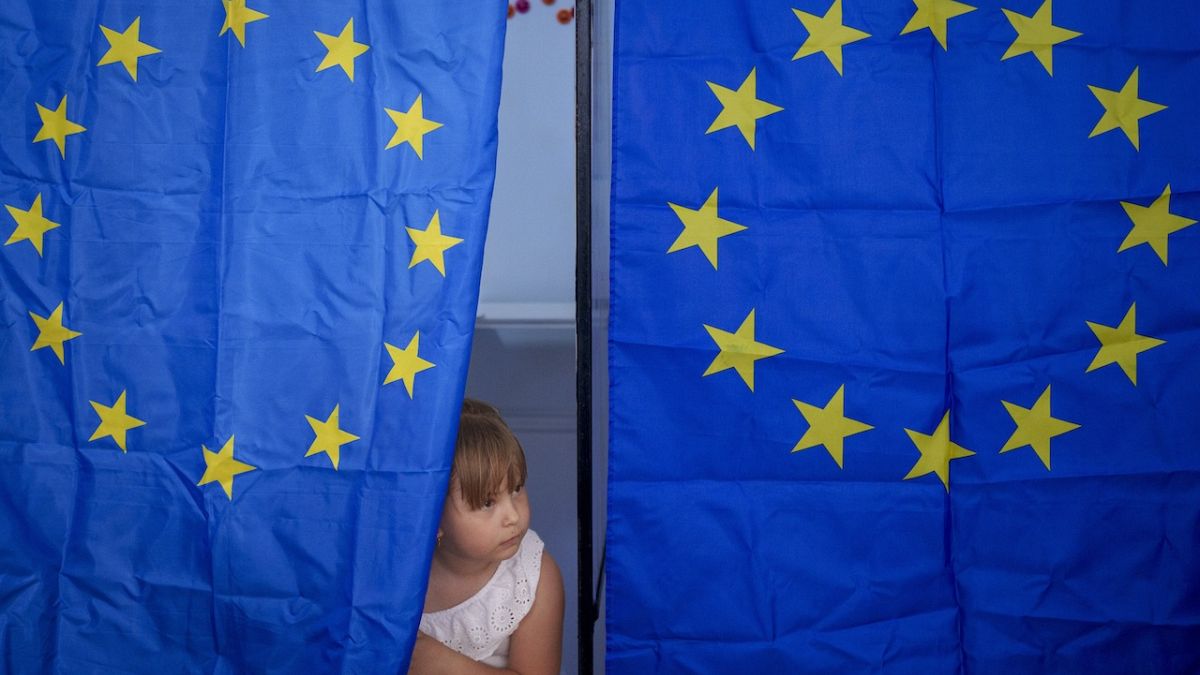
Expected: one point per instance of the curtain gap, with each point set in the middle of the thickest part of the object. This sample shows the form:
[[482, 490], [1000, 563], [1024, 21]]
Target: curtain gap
[[583, 327]]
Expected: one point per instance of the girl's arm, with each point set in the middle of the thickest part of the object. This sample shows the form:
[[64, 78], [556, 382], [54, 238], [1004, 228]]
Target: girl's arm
[[535, 647]]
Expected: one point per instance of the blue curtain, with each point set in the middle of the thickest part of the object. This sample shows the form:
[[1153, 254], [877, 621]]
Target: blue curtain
[[242, 248], [905, 315]]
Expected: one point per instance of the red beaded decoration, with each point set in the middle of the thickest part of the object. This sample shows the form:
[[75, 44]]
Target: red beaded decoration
[[522, 6], [565, 16]]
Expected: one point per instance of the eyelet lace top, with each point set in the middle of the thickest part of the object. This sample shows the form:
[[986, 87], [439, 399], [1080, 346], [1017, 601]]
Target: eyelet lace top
[[481, 625]]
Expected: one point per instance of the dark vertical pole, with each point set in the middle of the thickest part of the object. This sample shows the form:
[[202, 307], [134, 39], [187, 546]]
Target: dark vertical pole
[[583, 323]]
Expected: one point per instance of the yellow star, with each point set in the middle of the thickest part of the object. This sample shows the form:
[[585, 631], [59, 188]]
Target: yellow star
[[52, 333], [1035, 427], [1036, 34], [828, 426], [406, 363], [411, 127], [125, 48], [56, 127], [114, 422], [827, 34], [1152, 224], [936, 452], [237, 15], [431, 244], [702, 228], [1121, 345], [31, 224], [739, 350], [1123, 109], [221, 467], [329, 438], [934, 14], [342, 49], [741, 108]]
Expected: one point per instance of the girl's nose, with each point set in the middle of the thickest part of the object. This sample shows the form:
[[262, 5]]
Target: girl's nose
[[509, 513]]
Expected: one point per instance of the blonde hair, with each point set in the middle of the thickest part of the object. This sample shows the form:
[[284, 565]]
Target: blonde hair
[[486, 454]]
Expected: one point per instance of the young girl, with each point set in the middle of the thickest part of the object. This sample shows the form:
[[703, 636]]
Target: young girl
[[495, 598]]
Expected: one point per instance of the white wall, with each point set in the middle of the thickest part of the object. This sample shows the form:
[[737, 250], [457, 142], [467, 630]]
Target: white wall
[[530, 251]]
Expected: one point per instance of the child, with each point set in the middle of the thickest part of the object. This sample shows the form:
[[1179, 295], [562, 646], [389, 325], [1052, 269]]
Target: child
[[495, 597]]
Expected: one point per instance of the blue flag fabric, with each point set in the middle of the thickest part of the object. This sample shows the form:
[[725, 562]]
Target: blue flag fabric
[[905, 311], [243, 242]]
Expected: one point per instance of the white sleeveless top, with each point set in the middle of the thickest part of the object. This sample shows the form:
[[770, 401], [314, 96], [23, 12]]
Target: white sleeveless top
[[481, 625]]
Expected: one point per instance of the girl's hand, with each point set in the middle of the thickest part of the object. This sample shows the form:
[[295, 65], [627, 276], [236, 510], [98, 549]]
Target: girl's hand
[[431, 657], [425, 655]]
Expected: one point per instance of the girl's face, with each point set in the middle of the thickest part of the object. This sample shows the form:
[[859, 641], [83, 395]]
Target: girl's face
[[490, 533]]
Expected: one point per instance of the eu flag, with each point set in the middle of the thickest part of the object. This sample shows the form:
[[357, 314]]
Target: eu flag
[[905, 315], [242, 246]]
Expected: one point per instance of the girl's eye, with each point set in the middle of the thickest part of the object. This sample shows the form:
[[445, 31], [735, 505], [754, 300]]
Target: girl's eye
[[488, 503], [517, 490]]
